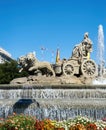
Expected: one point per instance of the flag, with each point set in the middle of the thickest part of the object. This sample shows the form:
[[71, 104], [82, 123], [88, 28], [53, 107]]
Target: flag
[[88, 55], [57, 56]]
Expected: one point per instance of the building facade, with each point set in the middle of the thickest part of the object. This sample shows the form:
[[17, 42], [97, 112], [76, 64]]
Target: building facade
[[4, 56]]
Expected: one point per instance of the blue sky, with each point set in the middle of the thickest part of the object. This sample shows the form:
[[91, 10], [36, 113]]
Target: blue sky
[[29, 25]]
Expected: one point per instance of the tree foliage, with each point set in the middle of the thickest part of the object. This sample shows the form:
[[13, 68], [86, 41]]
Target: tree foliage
[[9, 71]]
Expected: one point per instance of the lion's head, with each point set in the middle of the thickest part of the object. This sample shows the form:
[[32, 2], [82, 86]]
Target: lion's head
[[31, 58], [22, 60]]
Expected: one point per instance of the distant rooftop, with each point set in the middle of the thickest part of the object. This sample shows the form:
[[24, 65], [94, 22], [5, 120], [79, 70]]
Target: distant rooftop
[[5, 52], [4, 56]]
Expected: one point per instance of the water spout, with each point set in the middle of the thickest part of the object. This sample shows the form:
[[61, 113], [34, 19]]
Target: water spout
[[100, 56], [101, 60]]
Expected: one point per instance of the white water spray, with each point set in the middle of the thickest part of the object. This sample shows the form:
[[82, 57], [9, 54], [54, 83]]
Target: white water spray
[[100, 57], [101, 60]]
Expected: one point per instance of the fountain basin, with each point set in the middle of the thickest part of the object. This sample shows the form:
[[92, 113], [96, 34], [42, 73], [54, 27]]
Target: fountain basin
[[54, 102]]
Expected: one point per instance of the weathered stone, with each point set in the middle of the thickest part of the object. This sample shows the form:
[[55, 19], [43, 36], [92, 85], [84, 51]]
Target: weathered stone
[[70, 80], [79, 69], [22, 80]]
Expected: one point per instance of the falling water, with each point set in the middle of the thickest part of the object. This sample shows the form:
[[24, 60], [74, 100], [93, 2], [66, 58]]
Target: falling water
[[101, 60], [54, 103]]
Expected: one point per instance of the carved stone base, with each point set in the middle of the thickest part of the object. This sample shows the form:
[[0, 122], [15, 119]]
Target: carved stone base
[[43, 80]]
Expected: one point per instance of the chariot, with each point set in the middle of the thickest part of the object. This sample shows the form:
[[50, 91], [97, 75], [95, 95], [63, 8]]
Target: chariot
[[70, 67], [80, 62]]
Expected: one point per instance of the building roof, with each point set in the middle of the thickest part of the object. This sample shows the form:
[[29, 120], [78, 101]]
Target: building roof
[[5, 52], [4, 56]]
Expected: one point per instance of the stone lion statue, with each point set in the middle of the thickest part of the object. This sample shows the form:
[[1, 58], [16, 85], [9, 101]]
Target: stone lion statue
[[30, 63]]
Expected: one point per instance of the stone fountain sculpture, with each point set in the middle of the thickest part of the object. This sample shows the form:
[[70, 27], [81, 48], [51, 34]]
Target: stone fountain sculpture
[[56, 91], [63, 71]]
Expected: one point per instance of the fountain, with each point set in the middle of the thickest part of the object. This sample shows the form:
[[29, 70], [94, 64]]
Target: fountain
[[101, 60], [61, 97], [54, 102], [100, 55]]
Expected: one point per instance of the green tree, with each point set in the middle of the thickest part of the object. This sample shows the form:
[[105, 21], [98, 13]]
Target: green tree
[[9, 71]]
